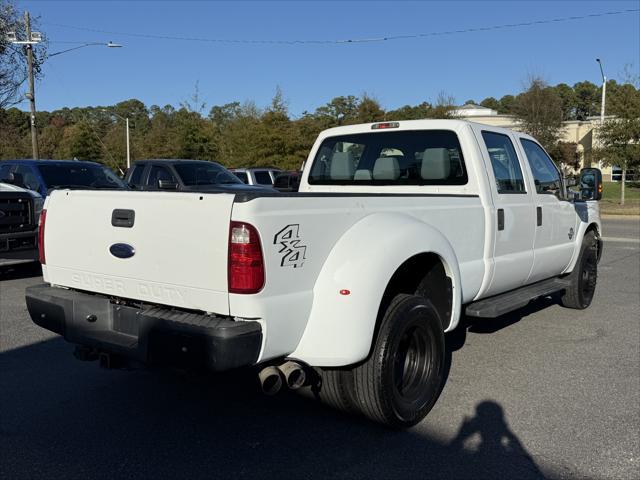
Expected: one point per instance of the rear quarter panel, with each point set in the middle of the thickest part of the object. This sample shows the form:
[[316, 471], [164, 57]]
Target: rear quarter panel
[[292, 297]]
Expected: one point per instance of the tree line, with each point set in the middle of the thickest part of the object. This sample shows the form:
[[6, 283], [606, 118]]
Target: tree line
[[244, 134]]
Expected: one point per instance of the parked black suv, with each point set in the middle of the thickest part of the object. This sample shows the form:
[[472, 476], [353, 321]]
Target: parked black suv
[[184, 175]]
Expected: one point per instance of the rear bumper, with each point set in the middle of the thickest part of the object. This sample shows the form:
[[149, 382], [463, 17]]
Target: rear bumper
[[150, 335], [18, 247]]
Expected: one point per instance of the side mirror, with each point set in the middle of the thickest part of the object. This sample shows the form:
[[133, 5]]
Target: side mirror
[[167, 185], [590, 184]]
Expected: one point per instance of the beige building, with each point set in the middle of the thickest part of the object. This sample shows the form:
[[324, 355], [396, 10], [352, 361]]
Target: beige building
[[576, 131]]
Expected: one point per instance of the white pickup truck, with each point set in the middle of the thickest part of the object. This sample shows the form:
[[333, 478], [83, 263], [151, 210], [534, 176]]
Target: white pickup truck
[[398, 230]]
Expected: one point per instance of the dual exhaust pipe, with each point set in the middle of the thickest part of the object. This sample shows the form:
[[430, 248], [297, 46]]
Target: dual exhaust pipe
[[273, 378]]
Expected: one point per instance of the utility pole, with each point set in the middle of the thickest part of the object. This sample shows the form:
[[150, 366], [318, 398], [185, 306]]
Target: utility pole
[[33, 38], [31, 95]]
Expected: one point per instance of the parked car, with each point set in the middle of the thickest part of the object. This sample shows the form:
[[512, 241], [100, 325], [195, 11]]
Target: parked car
[[19, 213], [398, 230], [44, 175], [287, 182], [257, 175], [182, 175]]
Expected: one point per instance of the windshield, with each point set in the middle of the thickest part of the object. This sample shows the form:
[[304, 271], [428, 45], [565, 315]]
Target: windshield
[[205, 173], [425, 157], [79, 175]]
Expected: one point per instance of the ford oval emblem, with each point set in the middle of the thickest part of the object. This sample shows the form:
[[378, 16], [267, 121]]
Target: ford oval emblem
[[122, 250]]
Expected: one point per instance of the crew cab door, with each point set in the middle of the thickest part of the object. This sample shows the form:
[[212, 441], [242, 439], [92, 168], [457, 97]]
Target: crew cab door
[[513, 212], [556, 218]]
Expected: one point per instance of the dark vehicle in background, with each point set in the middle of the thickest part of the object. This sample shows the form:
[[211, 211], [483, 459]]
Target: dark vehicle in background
[[182, 175], [257, 175], [19, 213], [42, 176], [287, 182]]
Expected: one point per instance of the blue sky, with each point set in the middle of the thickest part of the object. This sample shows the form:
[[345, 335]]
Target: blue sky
[[465, 66]]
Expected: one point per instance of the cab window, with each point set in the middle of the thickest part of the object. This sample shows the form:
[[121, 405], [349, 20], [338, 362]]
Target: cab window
[[412, 157], [546, 175]]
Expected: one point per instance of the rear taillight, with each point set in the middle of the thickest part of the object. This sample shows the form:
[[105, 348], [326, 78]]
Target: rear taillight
[[43, 219], [246, 265]]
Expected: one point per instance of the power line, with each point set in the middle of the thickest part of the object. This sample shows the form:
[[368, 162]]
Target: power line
[[348, 41]]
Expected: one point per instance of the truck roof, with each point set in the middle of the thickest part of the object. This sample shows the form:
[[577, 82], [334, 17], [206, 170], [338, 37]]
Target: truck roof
[[430, 124]]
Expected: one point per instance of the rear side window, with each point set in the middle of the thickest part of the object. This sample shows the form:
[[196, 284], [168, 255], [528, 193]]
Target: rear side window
[[545, 174], [504, 161], [136, 176], [263, 178], [416, 157], [72, 174]]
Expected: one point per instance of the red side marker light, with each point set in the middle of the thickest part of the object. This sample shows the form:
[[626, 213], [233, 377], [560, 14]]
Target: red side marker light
[[344, 291]]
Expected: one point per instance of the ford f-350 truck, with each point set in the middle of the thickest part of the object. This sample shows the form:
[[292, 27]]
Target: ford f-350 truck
[[398, 229]]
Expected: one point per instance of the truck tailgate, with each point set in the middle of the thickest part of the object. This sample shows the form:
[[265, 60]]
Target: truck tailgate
[[179, 242]]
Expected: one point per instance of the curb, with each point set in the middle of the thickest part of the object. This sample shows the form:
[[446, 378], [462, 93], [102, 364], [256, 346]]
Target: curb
[[620, 216]]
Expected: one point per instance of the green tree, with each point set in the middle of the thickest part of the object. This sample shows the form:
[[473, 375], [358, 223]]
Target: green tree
[[369, 110], [587, 100], [539, 110], [339, 110], [619, 137], [492, 103], [408, 112], [507, 104], [81, 142], [568, 98]]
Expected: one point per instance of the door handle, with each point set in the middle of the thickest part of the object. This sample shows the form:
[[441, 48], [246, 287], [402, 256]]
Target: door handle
[[539, 216], [123, 218], [500, 219]]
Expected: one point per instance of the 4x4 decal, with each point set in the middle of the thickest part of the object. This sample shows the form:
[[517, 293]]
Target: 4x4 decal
[[288, 240]]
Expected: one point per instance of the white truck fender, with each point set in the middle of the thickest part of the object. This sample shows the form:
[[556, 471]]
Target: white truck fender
[[588, 214], [351, 283]]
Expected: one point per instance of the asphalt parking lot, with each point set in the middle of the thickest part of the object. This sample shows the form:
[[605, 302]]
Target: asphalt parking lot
[[545, 392]]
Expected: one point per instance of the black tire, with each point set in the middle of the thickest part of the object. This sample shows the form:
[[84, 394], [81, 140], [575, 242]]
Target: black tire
[[335, 389], [584, 277], [400, 381]]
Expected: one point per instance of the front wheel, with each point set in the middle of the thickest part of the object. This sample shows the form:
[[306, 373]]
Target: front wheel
[[399, 383], [583, 279]]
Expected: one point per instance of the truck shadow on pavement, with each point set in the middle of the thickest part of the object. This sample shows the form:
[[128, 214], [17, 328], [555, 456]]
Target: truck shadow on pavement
[[61, 418]]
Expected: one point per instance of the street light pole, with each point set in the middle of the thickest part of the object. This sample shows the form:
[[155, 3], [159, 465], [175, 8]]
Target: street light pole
[[128, 149], [602, 107], [604, 91], [31, 95]]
